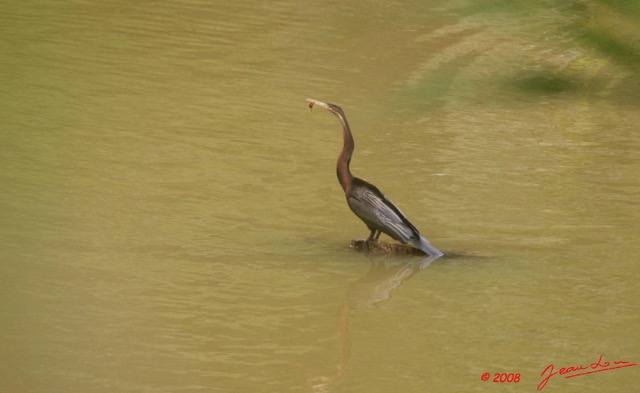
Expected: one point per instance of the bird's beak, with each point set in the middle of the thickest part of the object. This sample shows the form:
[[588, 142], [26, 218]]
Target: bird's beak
[[313, 102]]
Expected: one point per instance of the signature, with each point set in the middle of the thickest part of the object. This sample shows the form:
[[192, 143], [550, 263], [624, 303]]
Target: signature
[[576, 371]]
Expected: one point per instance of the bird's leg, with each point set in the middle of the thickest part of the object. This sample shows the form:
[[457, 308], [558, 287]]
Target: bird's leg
[[366, 242], [373, 237], [372, 234]]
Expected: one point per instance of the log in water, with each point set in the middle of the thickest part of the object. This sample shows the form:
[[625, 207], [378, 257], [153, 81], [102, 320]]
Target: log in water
[[384, 248], [378, 247]]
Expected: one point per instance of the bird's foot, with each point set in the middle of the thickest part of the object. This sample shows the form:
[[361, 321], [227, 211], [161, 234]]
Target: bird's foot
[[364, 244], [369, 243]]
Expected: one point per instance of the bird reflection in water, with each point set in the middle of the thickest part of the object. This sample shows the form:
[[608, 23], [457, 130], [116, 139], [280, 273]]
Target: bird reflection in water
[[374, 287]]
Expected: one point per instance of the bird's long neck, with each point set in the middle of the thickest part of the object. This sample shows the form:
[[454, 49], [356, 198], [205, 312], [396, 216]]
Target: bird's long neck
[[344, 174]]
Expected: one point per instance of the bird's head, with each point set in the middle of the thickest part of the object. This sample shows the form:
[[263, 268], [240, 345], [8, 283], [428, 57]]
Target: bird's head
[[333, 108]]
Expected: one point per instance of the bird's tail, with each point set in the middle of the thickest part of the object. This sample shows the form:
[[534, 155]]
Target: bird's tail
[[425, 246]]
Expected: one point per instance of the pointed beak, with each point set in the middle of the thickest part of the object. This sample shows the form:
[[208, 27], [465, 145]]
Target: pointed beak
[[313, 102]]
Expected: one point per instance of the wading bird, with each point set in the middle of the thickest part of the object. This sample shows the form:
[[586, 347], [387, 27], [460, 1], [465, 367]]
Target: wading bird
[[366, 201]]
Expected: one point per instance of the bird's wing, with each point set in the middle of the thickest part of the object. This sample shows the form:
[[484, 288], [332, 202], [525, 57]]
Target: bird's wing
[[380, 213]]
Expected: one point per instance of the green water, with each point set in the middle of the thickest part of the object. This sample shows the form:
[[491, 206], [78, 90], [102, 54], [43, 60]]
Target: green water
[[170, 220]]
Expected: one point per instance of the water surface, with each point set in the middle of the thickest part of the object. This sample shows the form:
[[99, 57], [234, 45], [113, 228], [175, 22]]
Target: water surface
[[171, 220]]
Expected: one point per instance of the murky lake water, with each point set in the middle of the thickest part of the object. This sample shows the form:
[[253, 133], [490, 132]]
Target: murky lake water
[[171, 220]]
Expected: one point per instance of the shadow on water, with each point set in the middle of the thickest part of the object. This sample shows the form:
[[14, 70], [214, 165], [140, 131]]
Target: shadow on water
[[610, 30], [606, 32], [543, 83], [612, 47]]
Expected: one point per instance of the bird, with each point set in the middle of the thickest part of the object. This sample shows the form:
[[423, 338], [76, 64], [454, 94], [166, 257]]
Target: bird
[[366, 201]]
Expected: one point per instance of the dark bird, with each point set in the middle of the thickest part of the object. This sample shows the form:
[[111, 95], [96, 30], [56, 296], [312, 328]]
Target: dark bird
[[366, 201]]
